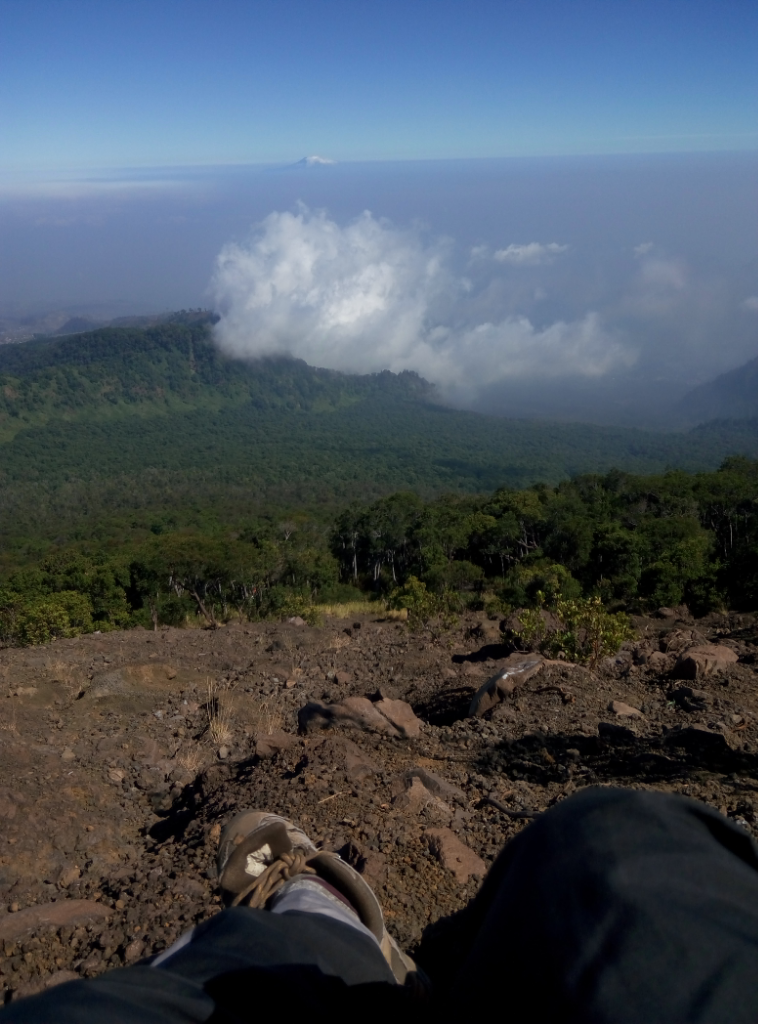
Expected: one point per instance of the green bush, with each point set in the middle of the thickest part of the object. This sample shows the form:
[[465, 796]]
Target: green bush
[[297, 604], [58, 615], [588, 632], [417, 600], [533, 629]]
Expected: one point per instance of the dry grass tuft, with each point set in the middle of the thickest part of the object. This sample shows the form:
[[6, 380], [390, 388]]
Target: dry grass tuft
[[266, 717], [348, 609], [220, 713], [339, 643], [191, 759]]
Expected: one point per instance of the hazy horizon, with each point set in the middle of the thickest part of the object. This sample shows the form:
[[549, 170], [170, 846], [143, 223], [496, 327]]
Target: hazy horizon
[[603, 284], [371, 187]]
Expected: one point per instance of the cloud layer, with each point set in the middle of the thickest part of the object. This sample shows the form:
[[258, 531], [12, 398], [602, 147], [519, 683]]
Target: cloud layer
[[369, 296], [530, 255]]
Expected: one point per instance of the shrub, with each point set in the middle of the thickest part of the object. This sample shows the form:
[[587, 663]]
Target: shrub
[[57, 615], [419, 602], [533, 629], [588, 632], [581, 630], [296, 604]]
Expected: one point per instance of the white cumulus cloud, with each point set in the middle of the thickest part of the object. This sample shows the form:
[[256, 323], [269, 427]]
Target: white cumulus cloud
[[532, 254], [643, 249], [369, 296]]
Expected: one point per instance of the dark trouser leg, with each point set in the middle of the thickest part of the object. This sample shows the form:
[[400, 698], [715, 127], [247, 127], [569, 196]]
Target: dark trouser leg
[[240, 965], [617, 905]]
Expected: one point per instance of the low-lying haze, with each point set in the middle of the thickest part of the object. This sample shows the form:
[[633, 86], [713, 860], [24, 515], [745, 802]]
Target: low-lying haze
[[588, 288]]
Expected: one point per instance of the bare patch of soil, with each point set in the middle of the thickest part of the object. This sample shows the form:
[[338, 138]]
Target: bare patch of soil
[[120, 754]]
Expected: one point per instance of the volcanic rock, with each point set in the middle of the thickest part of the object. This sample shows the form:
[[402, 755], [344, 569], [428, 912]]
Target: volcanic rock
[[618, 707], [60, 914], [353, 712], [515, 670], [697, 738], [401, 715], [274, 742], [455, 855], [704, 661]]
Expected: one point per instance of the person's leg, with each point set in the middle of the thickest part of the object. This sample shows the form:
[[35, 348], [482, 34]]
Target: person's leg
[[312, 950], [306, 957], [616, 905]]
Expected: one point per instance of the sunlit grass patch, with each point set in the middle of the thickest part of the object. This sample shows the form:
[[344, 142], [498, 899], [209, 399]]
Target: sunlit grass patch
[[347, 609]]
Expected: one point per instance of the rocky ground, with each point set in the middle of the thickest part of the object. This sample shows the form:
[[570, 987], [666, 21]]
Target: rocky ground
[[121, 754]]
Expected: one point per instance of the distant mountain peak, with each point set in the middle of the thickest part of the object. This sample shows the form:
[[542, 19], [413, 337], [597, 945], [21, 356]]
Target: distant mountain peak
[[732, 395], [315, 161]]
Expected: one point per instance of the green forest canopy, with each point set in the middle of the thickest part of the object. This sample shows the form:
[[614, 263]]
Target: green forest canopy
[[636, 542], [144, 473], [105, 433]]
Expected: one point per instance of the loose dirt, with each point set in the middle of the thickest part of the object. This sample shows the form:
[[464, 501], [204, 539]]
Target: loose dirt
[[121, 754]]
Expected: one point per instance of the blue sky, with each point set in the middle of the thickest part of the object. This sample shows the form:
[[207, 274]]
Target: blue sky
[[103, 84]]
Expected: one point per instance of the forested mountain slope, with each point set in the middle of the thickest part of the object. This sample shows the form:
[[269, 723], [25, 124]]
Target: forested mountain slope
[[111, 373], [100, 427], [733, 395]]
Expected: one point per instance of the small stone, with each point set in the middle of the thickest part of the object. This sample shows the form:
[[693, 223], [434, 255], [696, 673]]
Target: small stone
[[432, 782], [401, 715], [618, 707], [415, 797], [274, 742], [68, 875], [296, 620], [223, 753], [68, 754], [455, 855], [134, 950], [659, 662]]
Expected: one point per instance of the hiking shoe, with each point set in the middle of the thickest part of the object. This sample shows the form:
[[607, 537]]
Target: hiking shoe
[[258, 852]]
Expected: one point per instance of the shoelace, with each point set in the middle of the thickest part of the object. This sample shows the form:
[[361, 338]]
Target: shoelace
[[262, 888]]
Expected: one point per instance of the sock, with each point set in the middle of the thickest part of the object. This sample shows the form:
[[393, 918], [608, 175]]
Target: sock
[[309, 895]]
